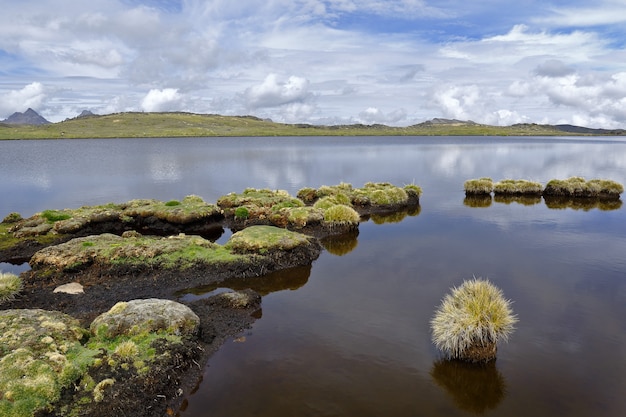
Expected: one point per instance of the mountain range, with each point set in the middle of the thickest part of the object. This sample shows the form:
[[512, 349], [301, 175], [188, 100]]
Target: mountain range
[[31, 117]]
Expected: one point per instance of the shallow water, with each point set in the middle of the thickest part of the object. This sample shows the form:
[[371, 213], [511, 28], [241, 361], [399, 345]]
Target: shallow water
[[350, 335]]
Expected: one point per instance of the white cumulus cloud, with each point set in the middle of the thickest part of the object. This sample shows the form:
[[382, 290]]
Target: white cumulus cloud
[[272, 92], [31, 96], [167, 99]]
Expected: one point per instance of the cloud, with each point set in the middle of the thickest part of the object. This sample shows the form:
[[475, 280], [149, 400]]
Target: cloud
[[167, 99], [607, 12], [272, 92], [373, 115], [553, 68], [371, 61], [31, 96]]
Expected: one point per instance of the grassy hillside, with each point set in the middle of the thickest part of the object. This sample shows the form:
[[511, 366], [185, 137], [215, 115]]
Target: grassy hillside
[[131, 125]]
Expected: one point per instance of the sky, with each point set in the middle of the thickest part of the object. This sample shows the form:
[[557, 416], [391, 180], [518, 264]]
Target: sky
[[394, 62]]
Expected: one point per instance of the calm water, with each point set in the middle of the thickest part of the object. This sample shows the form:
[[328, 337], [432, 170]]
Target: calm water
[[349, 336]]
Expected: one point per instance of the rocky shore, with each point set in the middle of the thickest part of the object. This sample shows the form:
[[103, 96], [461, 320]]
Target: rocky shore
[[100, 328]]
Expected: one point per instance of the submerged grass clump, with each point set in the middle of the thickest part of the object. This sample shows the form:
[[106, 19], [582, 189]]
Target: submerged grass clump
[[478, 186], [471, 320], [10, 286]]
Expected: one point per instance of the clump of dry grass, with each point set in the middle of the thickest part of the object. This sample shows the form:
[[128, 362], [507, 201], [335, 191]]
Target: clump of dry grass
[[517, 187], [579, 187], [482, 185], [10, 285], [471, 320]]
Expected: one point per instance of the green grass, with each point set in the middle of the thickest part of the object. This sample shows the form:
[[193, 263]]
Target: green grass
[[133, 125], [340, 214], [476, 313]]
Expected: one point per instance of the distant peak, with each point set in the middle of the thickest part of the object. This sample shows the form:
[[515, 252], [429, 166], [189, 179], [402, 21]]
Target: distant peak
[[29, 117]]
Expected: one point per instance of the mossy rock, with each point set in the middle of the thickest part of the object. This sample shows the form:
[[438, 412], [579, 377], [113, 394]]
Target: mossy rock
[[142, 252], [257, 198], [40, 355], [264, 239], [146, 316]]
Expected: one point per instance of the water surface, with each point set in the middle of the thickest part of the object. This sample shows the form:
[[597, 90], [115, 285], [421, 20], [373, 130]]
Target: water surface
[[349, 335]]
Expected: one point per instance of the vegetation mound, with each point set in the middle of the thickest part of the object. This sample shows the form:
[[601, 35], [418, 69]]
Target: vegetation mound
[[573, 187], [40, 355], [471, 320], [478, 186], [47, 355], [191, 215], [517, 187], [579, 187]]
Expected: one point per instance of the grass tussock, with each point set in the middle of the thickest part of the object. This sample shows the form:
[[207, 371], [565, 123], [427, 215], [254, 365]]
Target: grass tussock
[[517, 187], [10, 286], [478, 186], [579, 187], [475, 314]]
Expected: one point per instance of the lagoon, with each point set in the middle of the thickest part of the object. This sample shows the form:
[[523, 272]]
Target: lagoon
[[350, 335]]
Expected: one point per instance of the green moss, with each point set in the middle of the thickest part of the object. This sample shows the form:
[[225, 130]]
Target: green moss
[[55, 215], [40, 354], [172, 203], [260, 239], [242, 213]]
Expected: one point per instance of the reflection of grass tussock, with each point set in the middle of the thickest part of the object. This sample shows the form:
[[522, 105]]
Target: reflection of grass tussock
[[281, 280], [382, 218], [579, 187], [475, 388], [478, 186], [471, 320], [477, 201], [517, 187], [525, 200], [585, 204], [341, 244]]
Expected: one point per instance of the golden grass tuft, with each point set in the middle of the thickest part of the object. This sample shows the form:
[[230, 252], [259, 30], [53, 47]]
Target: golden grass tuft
[[472, 318], [517, 187], [340, 214], [579, 187], [10, 285], [482, 185]]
